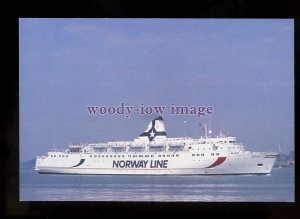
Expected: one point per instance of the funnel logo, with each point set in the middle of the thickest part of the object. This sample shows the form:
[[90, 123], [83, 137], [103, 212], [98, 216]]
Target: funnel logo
[[152, 131]]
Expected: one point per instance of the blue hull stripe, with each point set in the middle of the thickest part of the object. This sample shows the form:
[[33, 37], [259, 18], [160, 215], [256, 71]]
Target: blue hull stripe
[[80, 162]]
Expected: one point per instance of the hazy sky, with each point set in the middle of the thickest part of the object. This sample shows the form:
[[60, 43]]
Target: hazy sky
[[243, 68]]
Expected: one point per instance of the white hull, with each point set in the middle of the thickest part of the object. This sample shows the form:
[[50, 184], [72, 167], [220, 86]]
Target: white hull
[[233, 164], [147, 172]]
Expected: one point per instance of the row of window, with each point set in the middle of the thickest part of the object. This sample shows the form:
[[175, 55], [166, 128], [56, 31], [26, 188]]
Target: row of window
[[59, 156], [119, 156], [226, 141], [172, 155], [204, 148], [212, 154], [163, 155], [204, 142]]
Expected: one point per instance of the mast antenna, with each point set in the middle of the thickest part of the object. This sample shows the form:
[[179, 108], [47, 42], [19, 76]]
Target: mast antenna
[[209, 127]]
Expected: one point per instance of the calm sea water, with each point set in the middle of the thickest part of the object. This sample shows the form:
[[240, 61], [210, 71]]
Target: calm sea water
[[277, 187]]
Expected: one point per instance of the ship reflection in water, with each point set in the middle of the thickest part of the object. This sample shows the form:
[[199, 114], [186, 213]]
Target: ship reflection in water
[[278, 186]]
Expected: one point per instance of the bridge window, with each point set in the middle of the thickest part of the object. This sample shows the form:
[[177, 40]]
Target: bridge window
[[177, 155], [168, 155], [259, 164]]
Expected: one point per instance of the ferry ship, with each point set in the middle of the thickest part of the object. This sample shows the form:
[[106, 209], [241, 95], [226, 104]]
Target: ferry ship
[[153, 153]]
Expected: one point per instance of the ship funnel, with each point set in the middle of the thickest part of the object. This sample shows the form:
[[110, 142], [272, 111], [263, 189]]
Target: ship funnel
[[156, 128]]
